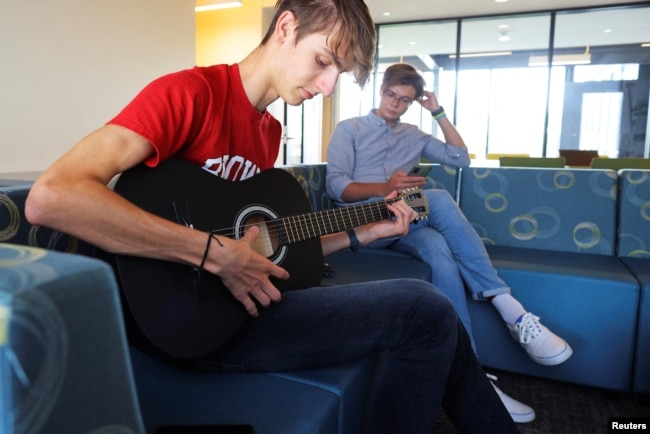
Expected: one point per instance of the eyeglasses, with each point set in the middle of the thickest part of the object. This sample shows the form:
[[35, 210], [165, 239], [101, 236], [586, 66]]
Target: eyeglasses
[[394, 97]]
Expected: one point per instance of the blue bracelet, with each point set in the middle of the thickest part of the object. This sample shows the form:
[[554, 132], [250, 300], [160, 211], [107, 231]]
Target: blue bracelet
[[354, 241], [437, 111]]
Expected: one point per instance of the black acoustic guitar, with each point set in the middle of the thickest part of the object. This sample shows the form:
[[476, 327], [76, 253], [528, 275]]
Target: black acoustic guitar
[[188, 314]]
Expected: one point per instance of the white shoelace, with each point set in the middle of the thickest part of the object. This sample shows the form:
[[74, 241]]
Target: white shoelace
[[529, 328]]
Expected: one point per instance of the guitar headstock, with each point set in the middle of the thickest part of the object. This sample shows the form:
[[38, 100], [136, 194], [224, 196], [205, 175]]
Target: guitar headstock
[[415, 198]]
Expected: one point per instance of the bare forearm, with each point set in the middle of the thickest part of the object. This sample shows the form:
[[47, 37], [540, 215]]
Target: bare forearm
[[430, 103], [341, 240], [81, 209], [452, 136]]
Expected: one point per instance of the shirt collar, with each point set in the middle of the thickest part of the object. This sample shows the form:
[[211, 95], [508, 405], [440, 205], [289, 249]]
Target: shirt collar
[[379, 121]]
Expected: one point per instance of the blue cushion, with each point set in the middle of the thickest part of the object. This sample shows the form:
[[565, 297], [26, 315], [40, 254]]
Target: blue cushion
[[14, 227], [589, 300], [311, 178], [69, 371], [571, 210], [327, 400], [444, 177], [634, 213], [640, 267], [354, 384]]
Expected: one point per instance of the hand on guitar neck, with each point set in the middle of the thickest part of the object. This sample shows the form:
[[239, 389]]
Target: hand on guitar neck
[[402, 215]]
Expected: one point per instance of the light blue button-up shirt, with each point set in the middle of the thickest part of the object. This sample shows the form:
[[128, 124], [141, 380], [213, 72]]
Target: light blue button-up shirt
[[367, 149]]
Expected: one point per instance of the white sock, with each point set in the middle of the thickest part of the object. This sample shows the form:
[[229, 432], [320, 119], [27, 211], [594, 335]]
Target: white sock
[[508, 307]]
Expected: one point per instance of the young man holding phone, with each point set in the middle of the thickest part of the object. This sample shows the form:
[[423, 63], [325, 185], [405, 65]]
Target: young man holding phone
[[369, 156]]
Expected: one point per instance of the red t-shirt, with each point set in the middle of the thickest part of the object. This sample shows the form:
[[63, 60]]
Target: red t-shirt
[[203, 115]]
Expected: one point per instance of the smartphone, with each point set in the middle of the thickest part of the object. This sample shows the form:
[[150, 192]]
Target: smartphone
[[419, 170]]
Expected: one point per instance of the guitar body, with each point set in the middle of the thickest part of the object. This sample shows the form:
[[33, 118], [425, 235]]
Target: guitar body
[[179, 313]]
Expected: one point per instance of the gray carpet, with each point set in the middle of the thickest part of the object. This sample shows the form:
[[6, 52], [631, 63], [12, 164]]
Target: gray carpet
[[564, 408]]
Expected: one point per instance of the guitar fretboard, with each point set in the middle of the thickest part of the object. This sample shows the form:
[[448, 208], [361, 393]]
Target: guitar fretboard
[[307, 226]]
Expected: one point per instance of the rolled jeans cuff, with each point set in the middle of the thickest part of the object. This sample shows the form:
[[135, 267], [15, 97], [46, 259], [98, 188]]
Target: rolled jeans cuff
[[484, 295]]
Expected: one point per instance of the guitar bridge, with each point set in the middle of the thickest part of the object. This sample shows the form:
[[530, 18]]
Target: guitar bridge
[[182, 211]]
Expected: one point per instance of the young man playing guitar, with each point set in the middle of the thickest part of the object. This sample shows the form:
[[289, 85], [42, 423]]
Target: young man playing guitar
[[216, 118]]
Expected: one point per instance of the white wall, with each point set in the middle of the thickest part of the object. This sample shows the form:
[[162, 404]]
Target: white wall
[[68, 66]]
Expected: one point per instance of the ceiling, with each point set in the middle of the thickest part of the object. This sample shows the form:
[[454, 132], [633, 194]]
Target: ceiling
[[411, 10], [611, 27]]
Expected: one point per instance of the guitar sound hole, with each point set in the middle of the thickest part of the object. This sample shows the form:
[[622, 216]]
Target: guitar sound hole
[[268, 241]]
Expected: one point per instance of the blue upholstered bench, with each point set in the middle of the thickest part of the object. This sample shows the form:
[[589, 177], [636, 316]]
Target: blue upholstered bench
[[634, 252], [551, 234], [64, 362], [329, 400]]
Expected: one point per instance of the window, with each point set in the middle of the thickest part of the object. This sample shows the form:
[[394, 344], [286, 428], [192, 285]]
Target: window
[[496, 84], [601, 122], [605, 101], [501, 100]]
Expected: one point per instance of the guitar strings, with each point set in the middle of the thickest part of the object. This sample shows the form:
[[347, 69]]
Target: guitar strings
[[277, 232], [299, 222], [310, 225]]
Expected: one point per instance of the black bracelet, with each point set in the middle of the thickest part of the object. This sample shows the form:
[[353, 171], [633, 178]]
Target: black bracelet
[[207, 249], [438, 111], [354, 241]]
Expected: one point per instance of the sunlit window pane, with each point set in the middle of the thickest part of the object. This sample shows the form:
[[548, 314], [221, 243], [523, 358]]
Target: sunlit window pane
[[473, 109], [601, 120], [501, 100], [555, 111], [352, 100], [517, 111]]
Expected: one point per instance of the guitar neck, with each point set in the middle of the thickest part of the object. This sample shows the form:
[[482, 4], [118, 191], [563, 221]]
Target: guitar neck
[[307, 226]]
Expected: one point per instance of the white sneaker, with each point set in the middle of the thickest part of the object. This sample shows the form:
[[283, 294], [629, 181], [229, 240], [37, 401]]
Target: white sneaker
[[520, 412], [542, 345]]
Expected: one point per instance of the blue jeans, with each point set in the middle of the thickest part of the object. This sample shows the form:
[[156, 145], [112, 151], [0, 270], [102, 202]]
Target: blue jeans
[[429, 361], [449, 244]]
